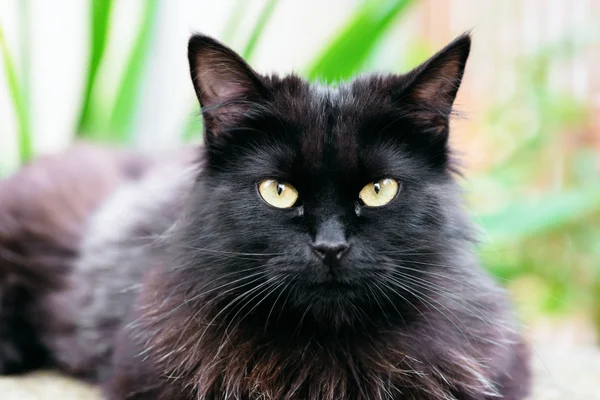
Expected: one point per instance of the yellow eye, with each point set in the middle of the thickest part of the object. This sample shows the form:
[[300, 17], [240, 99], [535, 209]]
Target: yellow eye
[[379, 193], [278, 194]]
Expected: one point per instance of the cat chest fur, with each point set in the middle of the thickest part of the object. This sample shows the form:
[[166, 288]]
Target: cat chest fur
[[205, 362]]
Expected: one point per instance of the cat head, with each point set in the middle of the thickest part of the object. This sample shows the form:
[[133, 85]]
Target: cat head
[[329, 204]]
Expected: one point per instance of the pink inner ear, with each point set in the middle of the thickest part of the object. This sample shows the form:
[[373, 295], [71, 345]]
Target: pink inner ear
[[439, 87], [225, 90], [220, 78]]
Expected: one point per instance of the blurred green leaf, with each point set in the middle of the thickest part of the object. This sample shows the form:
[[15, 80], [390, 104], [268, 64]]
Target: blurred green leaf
[[353, 44], [233, 20], [18, 99], [536, 110], [126, 103], [100, 11], [193, 127], [25, 49], [538, 239], [259, 27], [521, 220], [596, 302], [417, 52]]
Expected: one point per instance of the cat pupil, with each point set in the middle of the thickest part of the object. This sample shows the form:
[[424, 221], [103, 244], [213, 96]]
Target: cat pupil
[[376, 187], [279, 188]]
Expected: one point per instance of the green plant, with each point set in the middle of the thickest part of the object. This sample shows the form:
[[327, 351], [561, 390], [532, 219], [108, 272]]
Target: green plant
[[17, 94], [543, 224], [356, 41], [126, 102], [193, 127], [99, 26]]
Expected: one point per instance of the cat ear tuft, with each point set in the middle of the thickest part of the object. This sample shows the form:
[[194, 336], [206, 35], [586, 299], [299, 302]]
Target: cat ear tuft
[[224, 83], [433, 85]]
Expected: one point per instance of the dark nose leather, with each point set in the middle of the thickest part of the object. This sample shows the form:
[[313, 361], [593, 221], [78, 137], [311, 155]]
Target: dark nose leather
[[330, 242], [330, 252]]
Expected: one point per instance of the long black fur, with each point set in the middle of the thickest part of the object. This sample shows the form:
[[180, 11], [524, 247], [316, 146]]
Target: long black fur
[[187, 285]]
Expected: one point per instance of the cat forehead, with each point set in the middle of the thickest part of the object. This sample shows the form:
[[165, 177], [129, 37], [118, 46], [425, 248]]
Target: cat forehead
[[346, 95], [351, 102], [328, 122], [327, 126], [337, 95]]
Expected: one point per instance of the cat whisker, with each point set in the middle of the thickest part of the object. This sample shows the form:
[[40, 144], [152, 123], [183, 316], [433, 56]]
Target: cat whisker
[[221, 295], [445, 294], [390, 302], [289, 290], [376, 299], [270, 288], [233, 302], [274, 303], [309, 306], [386, 281], [186, 301], [234, 253], [213, 300], [423, 297], [437, 274], [357, 311], [400, 271]]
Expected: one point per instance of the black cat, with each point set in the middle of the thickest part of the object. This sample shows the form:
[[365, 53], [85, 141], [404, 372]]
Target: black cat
[[314, 248]]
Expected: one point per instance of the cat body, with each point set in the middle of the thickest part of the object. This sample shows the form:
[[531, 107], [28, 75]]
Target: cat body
[[269, 263]]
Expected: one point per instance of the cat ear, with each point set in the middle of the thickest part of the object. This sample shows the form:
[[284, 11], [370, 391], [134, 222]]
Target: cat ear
[[432, 86], [225, 84]]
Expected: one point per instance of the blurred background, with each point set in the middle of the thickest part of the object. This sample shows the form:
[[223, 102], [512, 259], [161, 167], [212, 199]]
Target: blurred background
[[529, 134]]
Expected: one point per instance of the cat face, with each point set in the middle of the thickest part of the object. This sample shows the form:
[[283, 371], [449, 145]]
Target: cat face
[[328, 203]]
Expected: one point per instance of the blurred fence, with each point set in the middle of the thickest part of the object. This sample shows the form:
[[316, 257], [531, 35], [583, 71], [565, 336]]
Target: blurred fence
[[510, 28], [562, 35]]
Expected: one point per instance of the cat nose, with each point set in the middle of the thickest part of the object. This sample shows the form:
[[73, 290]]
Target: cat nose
[[330, 252], [330, 242]]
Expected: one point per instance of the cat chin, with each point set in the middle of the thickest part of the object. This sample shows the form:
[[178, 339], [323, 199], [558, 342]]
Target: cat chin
[[327, 284], [333, 290], [331, 295]]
